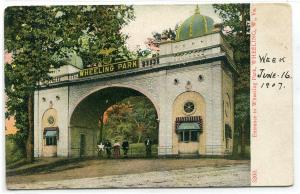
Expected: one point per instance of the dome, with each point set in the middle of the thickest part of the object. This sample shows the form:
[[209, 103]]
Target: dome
[[194, 26], [75, 60], [71, 58]]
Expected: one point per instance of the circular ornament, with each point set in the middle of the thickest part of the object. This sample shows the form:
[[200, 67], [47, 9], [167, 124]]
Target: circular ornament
[[51, 120], [189, 107]]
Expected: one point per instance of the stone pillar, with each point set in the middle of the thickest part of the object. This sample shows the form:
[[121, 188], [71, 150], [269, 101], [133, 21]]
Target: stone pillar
[[165, 130]]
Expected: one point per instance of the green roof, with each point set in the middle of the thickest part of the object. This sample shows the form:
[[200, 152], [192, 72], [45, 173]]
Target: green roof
[[71, 58], [75, 60], [194, 26]]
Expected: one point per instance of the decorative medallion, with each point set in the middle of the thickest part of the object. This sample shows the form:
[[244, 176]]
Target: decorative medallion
[[51, 120]]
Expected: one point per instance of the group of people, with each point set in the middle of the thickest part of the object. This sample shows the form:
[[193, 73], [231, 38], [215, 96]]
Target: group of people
[[116, 148]]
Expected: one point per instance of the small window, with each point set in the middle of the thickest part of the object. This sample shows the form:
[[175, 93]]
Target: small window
[[51, 137], [186, 136], [181, 136], [51, 141], [194, 135]]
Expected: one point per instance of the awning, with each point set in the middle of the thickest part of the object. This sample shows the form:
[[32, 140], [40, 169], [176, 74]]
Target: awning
[[188, 126], [51, 133]]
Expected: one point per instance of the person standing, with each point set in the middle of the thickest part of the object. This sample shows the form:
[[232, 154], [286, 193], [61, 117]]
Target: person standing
[[116, 149], [148, 144], [107, 146], [125, 147]]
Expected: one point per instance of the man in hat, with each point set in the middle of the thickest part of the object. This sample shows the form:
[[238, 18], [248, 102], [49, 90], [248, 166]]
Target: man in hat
[[107, 146], [125, 147], [148, 144]]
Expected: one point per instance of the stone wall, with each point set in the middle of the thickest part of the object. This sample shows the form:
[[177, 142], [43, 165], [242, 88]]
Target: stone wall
[[209, 88], [179, 51], [56, 98]]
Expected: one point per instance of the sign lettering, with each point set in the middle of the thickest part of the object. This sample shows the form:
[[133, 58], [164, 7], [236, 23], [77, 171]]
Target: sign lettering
[[102, 69]]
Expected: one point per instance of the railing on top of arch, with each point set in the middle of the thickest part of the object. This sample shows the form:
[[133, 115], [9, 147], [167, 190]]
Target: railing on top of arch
[[149, 62], [143, 63]]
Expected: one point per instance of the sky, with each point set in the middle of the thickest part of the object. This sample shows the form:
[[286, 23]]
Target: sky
[[156, 18]]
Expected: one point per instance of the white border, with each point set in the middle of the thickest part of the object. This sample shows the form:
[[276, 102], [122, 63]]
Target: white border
[[296, 83]]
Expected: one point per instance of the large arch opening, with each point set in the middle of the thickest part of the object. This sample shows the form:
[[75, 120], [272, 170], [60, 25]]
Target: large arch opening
[[114, 114]]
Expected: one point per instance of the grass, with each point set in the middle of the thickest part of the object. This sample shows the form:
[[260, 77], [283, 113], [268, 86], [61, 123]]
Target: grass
[[12, 154], [246, 156], [247, 151], [139, 150]]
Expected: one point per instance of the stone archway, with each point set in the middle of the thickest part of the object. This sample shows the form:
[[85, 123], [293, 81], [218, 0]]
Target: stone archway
[[188, 117], [84, 120]]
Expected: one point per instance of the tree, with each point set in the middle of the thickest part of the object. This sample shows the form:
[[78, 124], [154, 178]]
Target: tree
[[144, 118], [133, 118], [236, 28], [152, 43], [118, 125], [167, 34], [34, 35], [94, 32], [29, 36]]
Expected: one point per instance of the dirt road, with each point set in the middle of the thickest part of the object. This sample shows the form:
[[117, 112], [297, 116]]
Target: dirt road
[[139, 173]]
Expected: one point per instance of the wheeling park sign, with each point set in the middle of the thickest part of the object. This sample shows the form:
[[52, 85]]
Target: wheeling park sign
[[109, 68]]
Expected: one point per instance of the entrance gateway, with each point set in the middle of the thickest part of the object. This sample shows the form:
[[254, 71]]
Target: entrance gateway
[[189, 82]]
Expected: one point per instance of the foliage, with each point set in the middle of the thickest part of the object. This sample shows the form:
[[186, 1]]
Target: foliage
[[94, 29], [152, 43], [142, 53], [13, 153], [39, 38], [133, 118], [236, 27], [167, 34], [117, 127], [29, 36]]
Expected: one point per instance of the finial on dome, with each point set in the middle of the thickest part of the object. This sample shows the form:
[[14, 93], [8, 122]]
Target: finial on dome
[[197, 10]]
